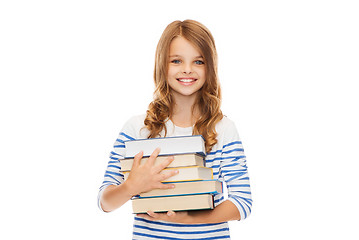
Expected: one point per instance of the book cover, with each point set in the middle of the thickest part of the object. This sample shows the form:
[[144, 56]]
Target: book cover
[[168, 146], [174, 203], [180, 160], [186, 174]]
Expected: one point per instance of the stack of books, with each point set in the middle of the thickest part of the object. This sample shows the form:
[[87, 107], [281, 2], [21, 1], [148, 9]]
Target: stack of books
[[194, 184]]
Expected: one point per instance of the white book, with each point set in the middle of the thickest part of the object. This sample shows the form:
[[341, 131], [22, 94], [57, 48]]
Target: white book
[[168, 146], [186, 174], [180, 160]]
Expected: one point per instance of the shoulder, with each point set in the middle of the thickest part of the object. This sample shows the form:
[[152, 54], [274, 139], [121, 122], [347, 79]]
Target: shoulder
[[226, 124], [136, 120], [226, 130], [134, 126]]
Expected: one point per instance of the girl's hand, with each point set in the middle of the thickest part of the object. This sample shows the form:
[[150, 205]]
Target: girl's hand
[[170, 216], [147, 176]]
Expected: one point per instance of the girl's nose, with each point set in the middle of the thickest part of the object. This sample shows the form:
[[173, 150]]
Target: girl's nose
[[187, 69]]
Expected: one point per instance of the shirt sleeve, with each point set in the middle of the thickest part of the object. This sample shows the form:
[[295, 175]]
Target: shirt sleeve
[[233, 169], [113, 176]]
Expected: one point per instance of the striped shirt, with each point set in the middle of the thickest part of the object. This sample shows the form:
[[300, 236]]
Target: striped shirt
[[227, 160]]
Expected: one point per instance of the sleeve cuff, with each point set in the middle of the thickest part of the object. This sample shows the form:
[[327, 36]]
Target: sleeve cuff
[[242, 212], [99, 196]]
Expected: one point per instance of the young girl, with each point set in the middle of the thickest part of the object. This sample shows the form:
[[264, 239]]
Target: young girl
[[186, 102]]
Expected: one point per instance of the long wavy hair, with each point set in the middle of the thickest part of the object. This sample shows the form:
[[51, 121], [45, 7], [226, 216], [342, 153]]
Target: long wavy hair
[[209, 97]]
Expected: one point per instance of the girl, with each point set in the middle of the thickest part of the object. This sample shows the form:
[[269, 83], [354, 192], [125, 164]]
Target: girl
[[186, 102]]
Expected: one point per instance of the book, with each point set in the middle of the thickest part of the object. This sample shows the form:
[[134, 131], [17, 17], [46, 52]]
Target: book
[[186, 188], [174, 203], [186, 174], [194, 184], [168, 146], [180, 160]]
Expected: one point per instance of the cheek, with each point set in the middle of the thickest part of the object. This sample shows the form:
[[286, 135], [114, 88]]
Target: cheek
[[171, 77], [203, 72], [171, 72]]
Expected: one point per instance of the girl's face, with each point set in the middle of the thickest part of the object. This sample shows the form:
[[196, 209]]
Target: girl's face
[[186, 69]]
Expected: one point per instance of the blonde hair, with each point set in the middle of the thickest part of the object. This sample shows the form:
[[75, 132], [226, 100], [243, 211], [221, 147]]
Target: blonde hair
[[209, 97]]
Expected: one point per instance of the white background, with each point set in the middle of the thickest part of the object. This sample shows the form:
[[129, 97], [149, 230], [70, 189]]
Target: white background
[[72, 72]]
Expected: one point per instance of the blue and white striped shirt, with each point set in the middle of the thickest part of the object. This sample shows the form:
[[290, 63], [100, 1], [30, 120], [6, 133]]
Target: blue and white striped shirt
[[228, 162]]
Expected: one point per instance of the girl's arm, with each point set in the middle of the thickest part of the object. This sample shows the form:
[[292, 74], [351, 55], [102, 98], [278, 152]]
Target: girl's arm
[[114, 196], [226, 211], [142, 178]]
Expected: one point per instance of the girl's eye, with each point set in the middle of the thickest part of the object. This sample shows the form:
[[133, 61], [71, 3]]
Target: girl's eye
[[176, 61], [199, 62]]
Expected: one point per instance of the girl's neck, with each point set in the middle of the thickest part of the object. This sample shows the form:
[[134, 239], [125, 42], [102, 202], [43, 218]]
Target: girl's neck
[[183, 114]]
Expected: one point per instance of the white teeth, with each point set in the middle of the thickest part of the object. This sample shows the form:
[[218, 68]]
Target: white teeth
[[185, 80]]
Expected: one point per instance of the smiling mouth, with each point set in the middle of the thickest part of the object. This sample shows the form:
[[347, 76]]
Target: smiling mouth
[[186, 80]]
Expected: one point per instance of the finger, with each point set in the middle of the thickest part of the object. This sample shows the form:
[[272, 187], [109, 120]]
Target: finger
[[137, 159], [167, 174], [153, 214], [165, 186], [153, 156], [164, 164], [171, 213]]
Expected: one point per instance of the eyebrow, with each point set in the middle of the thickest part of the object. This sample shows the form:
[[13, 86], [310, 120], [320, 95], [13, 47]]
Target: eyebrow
[[181, 56]]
